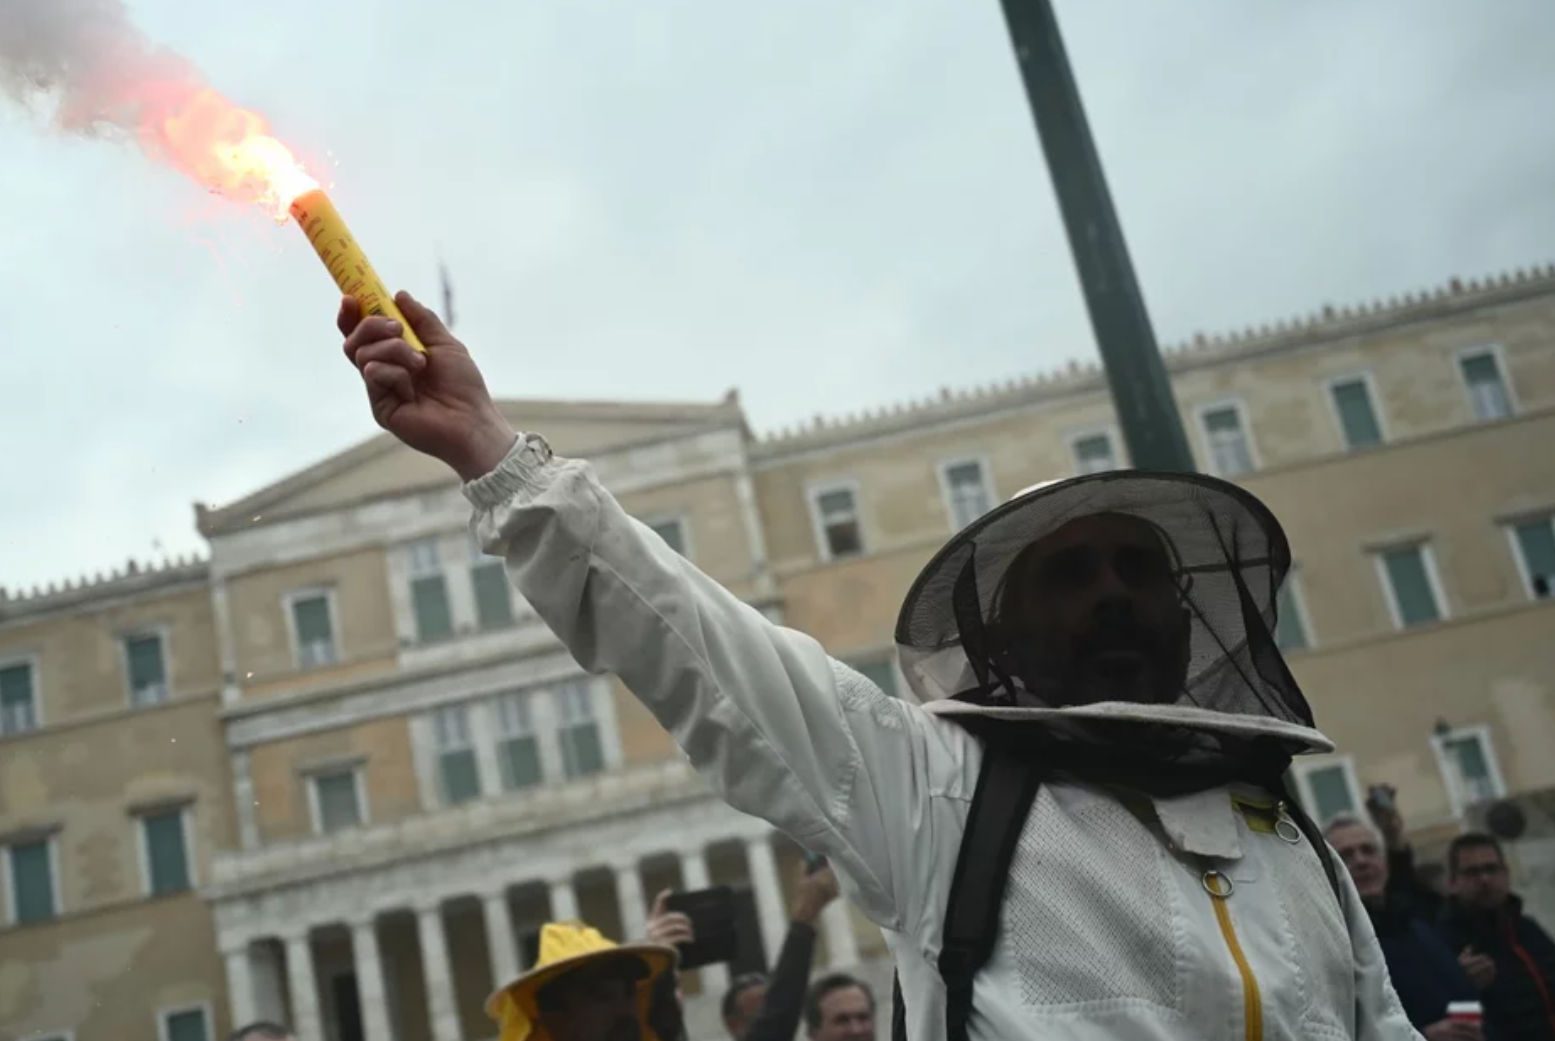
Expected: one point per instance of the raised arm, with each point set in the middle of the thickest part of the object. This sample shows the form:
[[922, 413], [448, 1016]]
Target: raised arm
[[779, 729]]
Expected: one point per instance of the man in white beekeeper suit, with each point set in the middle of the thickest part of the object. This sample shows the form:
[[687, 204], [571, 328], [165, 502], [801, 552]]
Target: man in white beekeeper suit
[[1081, 835]]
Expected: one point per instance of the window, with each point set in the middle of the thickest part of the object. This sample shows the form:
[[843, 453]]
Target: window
[[146, 664], [1468, 766], [577, 731], [1409, 577], [188, 1024], [314, 628], [673, 532], [429, 593], [493, 595], [32, 888], [1488, 395], [337, 800], [1357, 415], [518, 748], [881, 673], [1093, 453], [1533, 543], [837, 522], [1290, 630], [165, 852], [18, 699], [1230, 448], [456, 763], [967, 492], [1328, 789]]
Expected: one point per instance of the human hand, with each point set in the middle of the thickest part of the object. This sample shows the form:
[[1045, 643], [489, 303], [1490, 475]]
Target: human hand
[[1480, 968], [435, 402], [816, 889], [665, 926], [1384, 813], [1453, 1030]]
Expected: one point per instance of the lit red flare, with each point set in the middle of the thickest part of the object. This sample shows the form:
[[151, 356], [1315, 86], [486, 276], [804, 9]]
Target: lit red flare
[[231, 151]]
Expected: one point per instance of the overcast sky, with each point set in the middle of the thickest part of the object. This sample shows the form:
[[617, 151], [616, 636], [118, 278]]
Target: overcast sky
[[827, 205]]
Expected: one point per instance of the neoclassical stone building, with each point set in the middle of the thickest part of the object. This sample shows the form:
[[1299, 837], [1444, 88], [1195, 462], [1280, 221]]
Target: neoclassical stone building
[[338, 773]]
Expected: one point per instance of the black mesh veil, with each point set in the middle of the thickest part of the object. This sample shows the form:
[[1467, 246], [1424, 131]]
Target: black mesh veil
[[1231, 556]]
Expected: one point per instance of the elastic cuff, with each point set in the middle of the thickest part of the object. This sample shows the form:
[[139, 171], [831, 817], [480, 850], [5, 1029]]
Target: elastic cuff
[[518, 472]]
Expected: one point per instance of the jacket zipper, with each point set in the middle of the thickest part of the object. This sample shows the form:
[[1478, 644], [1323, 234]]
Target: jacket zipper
[[1218, 885]]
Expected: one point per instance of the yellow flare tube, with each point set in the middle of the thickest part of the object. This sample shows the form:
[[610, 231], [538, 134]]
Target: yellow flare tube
[[346, 262]]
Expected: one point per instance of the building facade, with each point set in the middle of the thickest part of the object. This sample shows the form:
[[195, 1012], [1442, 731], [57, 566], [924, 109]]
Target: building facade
[[382, 773]]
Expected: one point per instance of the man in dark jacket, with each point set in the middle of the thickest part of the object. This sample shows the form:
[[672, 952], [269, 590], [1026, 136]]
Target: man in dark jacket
[[1484, 915], [1425, 972]]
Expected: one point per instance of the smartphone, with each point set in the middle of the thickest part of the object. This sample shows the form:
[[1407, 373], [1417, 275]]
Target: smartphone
[[713, 923], [813, 862], [1380, 796]]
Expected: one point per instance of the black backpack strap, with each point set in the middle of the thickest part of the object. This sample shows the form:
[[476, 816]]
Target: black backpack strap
[[1006, 788]]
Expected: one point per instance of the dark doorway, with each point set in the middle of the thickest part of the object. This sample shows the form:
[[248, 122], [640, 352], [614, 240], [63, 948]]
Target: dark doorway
[[348, 1007]]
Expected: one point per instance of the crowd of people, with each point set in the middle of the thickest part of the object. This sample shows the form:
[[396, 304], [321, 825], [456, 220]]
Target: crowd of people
[[1471, 948], [1077, 827]]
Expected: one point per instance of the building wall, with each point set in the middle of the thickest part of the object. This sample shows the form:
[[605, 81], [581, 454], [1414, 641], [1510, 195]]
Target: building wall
[[280, 771], [78, 651], [105, 963], [363, 621], [88, 781], [108, 975]]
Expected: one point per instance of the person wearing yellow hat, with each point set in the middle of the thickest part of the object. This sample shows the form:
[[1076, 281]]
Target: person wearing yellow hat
[[584, 987]]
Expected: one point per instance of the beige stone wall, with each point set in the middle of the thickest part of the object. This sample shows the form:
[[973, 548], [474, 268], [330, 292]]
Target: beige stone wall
[[1452, 488], [87, 781], [716, 532], [108, 974], [642, 739], [80, 670], [1418, 385], [364, 622], [280, 771], [1379, 699]]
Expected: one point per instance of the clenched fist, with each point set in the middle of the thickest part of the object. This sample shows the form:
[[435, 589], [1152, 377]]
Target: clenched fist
[[435, 402]]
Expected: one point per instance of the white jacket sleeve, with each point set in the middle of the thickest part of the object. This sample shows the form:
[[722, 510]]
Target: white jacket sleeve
[[1379, 1014], [779, 729]]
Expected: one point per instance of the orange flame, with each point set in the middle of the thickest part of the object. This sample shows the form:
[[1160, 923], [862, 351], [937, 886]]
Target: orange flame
[[229, 150]]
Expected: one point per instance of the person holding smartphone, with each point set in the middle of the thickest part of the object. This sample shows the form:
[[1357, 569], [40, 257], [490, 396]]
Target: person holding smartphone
[[757, 1006]]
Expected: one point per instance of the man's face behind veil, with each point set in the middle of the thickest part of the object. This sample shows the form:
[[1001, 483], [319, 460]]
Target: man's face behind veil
[[1094, 612]]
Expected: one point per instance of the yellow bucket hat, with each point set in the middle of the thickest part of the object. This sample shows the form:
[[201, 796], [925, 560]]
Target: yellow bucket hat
[[564, 947]]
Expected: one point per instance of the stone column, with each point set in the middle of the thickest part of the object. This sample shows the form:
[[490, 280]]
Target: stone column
[[837, 926], [442, 1011], [370, 990], [240, 985], [564, 900], [769, 894], [243, 797], [629, 896], [501, 945], [300, 980], [693, 875]]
